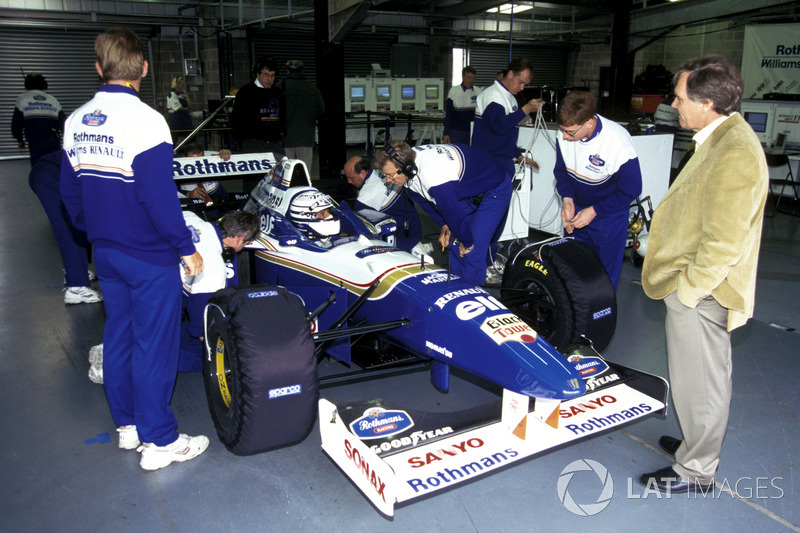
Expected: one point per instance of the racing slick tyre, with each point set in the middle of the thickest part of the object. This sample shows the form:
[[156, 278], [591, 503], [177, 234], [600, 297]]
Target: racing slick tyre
[[259, 368], [563, 292]]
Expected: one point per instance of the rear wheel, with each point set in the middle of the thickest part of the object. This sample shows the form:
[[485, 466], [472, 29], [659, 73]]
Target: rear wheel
[[562, 291], [533, 292]]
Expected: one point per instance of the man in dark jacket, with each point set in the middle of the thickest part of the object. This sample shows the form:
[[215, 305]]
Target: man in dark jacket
[[259, 112], [304, 107]]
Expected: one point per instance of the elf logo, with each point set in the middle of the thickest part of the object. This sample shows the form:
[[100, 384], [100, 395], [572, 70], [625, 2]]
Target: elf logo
[[469, 309]]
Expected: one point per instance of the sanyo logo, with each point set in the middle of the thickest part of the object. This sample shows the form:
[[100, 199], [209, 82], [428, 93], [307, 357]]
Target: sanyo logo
[[469, 309]]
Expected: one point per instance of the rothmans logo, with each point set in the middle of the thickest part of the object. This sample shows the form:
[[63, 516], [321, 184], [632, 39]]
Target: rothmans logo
[[378, 423], [211, 167], [588, 365]]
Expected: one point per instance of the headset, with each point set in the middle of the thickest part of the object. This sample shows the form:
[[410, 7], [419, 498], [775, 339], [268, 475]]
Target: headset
[[407, 168]]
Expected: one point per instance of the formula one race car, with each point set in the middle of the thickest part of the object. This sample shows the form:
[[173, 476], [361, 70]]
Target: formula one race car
[[351, 295]]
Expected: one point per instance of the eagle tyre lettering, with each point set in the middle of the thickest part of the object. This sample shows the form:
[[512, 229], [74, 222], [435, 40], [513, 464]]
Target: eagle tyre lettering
[[569, 294], [261, 379]]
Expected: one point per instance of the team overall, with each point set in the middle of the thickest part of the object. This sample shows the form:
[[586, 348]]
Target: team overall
[[116, 181]]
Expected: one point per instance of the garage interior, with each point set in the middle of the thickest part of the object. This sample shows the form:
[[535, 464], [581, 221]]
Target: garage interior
[[63, 470]]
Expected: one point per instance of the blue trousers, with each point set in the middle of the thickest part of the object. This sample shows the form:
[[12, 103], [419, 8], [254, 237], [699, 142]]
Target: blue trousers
[[483, 222], [191, 347], [606, 236], [508, 166], [140, 344], [44, 179], [459, 136]]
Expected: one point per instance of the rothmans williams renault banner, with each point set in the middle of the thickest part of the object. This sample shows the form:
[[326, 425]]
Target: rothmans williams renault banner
[[205, 168], [771, 60]]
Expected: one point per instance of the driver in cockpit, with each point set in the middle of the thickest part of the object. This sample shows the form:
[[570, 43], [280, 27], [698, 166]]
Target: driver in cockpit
[[312, 213]]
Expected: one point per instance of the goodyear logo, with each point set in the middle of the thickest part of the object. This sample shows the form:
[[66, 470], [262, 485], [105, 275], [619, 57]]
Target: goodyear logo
[[601, 313], [285, 391], [262, 294]]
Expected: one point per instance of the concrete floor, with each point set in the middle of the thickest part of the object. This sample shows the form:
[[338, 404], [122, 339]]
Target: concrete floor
[[62, 470]]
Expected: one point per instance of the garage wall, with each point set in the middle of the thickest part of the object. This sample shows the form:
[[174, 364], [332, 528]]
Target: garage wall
[[549, 62], [64, 57]]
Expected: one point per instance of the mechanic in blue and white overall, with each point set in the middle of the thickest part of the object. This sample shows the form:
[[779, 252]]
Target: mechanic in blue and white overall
[[496, 128], [597, 176], [459, 110], [498, 117], [44, 179], [218, 244], [376, 194], [116, 182], [39, 117], [463, 189]]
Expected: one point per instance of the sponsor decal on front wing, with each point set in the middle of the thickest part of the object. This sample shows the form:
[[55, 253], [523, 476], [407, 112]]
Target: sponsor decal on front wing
[[588, 365], [379, 423]]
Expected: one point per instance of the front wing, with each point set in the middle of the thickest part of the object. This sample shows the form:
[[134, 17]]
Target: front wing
[[442, 457]]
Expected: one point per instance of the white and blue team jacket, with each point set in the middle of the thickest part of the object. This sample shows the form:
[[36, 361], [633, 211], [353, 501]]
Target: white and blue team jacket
[[497, 117], [602, 171], [116, 178]]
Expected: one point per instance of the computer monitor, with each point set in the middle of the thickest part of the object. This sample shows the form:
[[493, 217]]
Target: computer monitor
[[357, 92], [383, 92], [757, 120], [408, 92], [431, 92]]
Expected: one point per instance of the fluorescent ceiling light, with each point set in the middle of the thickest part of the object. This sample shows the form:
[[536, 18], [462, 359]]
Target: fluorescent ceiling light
[[506, 9]]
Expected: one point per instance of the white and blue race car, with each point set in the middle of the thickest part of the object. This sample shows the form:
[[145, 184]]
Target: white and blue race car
[[357, 298]]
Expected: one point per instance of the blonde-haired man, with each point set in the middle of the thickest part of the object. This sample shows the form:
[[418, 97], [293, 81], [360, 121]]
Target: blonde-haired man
[[116, 182]]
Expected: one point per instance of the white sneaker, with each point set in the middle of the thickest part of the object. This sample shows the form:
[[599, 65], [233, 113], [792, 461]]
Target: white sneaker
[[493, 277], [128, 437], [96, 370], [82, 295], [183, 449]]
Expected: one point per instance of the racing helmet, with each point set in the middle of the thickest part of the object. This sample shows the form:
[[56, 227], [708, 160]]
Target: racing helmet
[[304, 213]]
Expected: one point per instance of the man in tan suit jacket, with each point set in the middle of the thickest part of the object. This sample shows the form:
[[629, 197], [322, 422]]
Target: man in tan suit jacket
[[701, 260]]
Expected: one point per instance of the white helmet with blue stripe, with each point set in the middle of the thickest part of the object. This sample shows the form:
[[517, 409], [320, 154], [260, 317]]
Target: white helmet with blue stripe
[[306, 212]]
